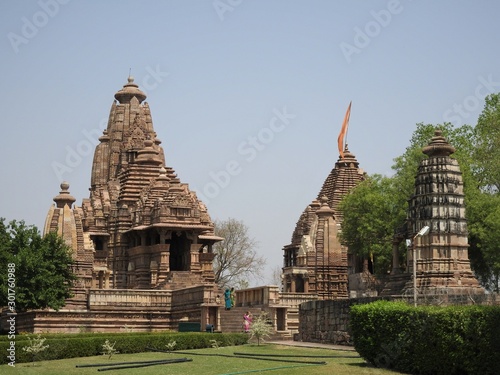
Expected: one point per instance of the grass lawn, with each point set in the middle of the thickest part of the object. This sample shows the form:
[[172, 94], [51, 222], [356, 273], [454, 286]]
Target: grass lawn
[[214, 362]]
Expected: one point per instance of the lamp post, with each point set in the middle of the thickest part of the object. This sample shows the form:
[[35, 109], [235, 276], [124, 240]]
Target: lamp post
[[421, 233]]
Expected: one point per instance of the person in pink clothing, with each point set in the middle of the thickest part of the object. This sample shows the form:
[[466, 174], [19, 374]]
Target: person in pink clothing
[[247, 319]]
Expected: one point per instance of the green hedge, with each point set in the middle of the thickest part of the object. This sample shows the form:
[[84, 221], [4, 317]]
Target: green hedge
[[49, 336], [83, 345], [428, 339]]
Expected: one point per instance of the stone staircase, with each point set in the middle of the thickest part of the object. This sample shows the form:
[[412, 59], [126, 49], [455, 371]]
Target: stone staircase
[[232, 321]]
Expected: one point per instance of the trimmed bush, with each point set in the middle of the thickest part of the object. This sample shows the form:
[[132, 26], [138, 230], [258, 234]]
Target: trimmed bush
[[428, 339], [83, 345]]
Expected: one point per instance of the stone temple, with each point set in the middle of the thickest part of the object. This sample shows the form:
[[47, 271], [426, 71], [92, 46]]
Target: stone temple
[[142, 241], [315, 261], [442, 260], [141, 227]]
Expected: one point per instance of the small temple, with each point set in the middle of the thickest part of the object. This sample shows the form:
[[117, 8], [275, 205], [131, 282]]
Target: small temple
[[315, 261], [441, 255], [442, 261]]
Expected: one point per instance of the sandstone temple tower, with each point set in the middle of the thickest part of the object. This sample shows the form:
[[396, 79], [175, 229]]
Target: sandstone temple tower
[[315, 261], [141, 227], [442, 260]]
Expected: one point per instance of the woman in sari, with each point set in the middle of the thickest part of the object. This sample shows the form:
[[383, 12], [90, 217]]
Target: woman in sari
[[247, 319], [232, 297], [227, 299]]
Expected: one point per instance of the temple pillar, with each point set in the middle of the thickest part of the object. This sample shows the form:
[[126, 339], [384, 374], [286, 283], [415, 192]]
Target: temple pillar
[[164, 265], [195, 257]]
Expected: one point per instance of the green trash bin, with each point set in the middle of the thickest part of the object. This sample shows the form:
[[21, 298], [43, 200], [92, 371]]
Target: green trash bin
[[189, 327]]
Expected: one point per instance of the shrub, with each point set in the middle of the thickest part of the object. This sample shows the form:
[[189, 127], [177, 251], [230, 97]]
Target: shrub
[[260, 328], [109, 349], [36, 346], [428, 339]]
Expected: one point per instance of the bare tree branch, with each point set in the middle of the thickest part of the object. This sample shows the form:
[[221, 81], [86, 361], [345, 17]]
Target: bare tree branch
[[236, 260]]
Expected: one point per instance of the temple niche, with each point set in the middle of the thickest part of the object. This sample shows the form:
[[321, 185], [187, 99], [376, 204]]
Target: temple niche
[[443, 265], [315, 262]]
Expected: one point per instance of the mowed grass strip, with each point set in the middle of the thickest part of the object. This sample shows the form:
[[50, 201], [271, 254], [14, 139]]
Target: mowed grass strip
[[216, 362]]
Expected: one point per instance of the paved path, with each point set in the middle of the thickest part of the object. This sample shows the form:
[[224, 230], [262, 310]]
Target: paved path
[[312, 345]]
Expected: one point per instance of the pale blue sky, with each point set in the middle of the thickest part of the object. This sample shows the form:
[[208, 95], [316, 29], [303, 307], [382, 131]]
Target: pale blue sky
[[247, 96]]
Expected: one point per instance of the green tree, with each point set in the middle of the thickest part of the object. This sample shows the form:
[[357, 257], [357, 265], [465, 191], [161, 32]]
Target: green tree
[[370, 215], [39, 274], [488, 145], [484, 239], [236, 260], [483, 202]]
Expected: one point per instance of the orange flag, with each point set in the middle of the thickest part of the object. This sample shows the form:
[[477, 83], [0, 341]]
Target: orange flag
[[343, 131]]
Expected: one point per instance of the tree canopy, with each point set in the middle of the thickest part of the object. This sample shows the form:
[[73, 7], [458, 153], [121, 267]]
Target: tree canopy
[[369, 217], [236, 260], [39, 268], [487, 149]]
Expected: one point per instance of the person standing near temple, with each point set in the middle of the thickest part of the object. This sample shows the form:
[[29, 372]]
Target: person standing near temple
[[247, 320], [227, 299], [232, 296]]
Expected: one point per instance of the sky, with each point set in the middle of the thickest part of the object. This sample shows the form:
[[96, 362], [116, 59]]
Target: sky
[[247, 96]]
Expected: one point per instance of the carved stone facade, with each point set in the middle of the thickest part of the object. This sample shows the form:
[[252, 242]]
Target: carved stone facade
[[141, 227], [141, 236], [315, 261], [443, 265]]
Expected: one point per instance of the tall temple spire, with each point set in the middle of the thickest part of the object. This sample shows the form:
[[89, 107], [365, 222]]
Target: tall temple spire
[[443, 265], [315, 261]]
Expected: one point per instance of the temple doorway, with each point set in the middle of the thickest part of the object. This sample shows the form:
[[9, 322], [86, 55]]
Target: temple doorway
[[180, 252]]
